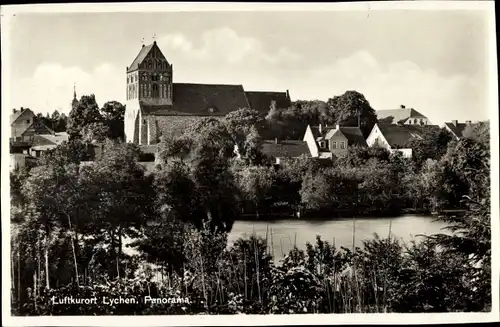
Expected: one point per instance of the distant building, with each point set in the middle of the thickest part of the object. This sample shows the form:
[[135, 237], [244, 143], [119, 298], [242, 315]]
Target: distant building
[[281, 150], [24, 125], [20, 160], [332, 141], [457, 129], [44, 142], [395, 138], [403, 115], [155, 104]]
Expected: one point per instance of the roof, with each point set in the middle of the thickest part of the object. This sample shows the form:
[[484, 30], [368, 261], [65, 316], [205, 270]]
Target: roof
[[148, 148], [43, 147], [459, 128], [290, 149], [261, 101], [140, 57], [56, 138], [198, 99], [353, 134], [394, 116], [399, 135], [15, 115]]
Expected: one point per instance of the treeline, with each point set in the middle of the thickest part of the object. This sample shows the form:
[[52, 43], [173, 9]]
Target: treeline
[[87, 121], [347, 109], [72, 222]]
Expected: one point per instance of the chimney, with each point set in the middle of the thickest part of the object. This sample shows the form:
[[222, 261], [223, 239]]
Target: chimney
[[467, 122], [22, 109], [320, 130], [14, 111], [287, 94], [403, 106], [454, 122]]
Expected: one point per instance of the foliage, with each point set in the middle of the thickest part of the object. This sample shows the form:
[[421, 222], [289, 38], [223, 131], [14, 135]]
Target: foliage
[[351, 105], [432, 145], [83, 113]]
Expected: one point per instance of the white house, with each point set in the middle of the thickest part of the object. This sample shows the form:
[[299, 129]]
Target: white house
[[396, 138], [403, 116]]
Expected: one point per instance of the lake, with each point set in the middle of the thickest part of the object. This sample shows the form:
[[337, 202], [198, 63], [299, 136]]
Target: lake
[[286, 233]]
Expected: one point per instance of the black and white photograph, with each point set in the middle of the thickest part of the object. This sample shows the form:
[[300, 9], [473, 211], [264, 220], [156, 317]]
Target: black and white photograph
[[288, 163]]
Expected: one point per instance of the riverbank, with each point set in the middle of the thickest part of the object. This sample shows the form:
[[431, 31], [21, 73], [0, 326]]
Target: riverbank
[[340, 214]]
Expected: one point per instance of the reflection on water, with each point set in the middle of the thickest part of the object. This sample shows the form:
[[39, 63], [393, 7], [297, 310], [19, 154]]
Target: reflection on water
[[286, 233]]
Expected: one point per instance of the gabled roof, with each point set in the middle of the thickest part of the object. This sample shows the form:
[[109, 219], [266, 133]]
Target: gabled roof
[[458, 128], [140, 57], [38, 128], [394, 116], [285, 149], [56, 138], [261, 101], [398, 136], [198, 99], [145, 50], [15, 115], [353, 134]]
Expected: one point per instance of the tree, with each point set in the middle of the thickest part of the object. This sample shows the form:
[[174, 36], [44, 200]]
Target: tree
[[478, 132], [347, 107], [256, 183], [121, 194], [96, 132], [84, 112], [113, 113], [432, 145], [58, 121], [206, 147]]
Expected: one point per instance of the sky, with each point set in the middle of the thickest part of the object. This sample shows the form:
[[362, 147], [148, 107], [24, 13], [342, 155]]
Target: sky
[[433, 61]]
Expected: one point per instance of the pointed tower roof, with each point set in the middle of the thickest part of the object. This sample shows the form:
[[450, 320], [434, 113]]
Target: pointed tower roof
[[75, 100], [145, 50]]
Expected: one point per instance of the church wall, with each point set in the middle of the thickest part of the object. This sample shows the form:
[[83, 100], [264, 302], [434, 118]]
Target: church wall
[[131, 121], [143, 130], [172, 124]]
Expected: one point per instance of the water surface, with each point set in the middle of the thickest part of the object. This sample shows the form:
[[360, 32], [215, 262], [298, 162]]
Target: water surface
[[285, 233]]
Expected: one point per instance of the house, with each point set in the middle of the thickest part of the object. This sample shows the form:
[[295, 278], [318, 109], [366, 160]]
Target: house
[[457, 129], [395, 138], [24, 125], [403, 115], [281, 150], [46, 142], [331, 141], [155, 104], [20, 160]]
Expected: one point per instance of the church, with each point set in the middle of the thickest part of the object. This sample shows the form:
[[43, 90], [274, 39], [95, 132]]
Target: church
[[156, 105]]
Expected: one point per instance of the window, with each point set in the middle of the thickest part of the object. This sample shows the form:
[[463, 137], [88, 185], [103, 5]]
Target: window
[[326, 143], [334, 145], [321, 144], [342, 145], [27, 121]]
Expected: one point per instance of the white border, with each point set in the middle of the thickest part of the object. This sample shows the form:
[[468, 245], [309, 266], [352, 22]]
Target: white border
[[8, 11]]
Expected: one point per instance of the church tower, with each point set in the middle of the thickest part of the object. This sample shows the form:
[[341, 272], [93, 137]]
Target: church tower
[[149, 89], [74, 103]]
